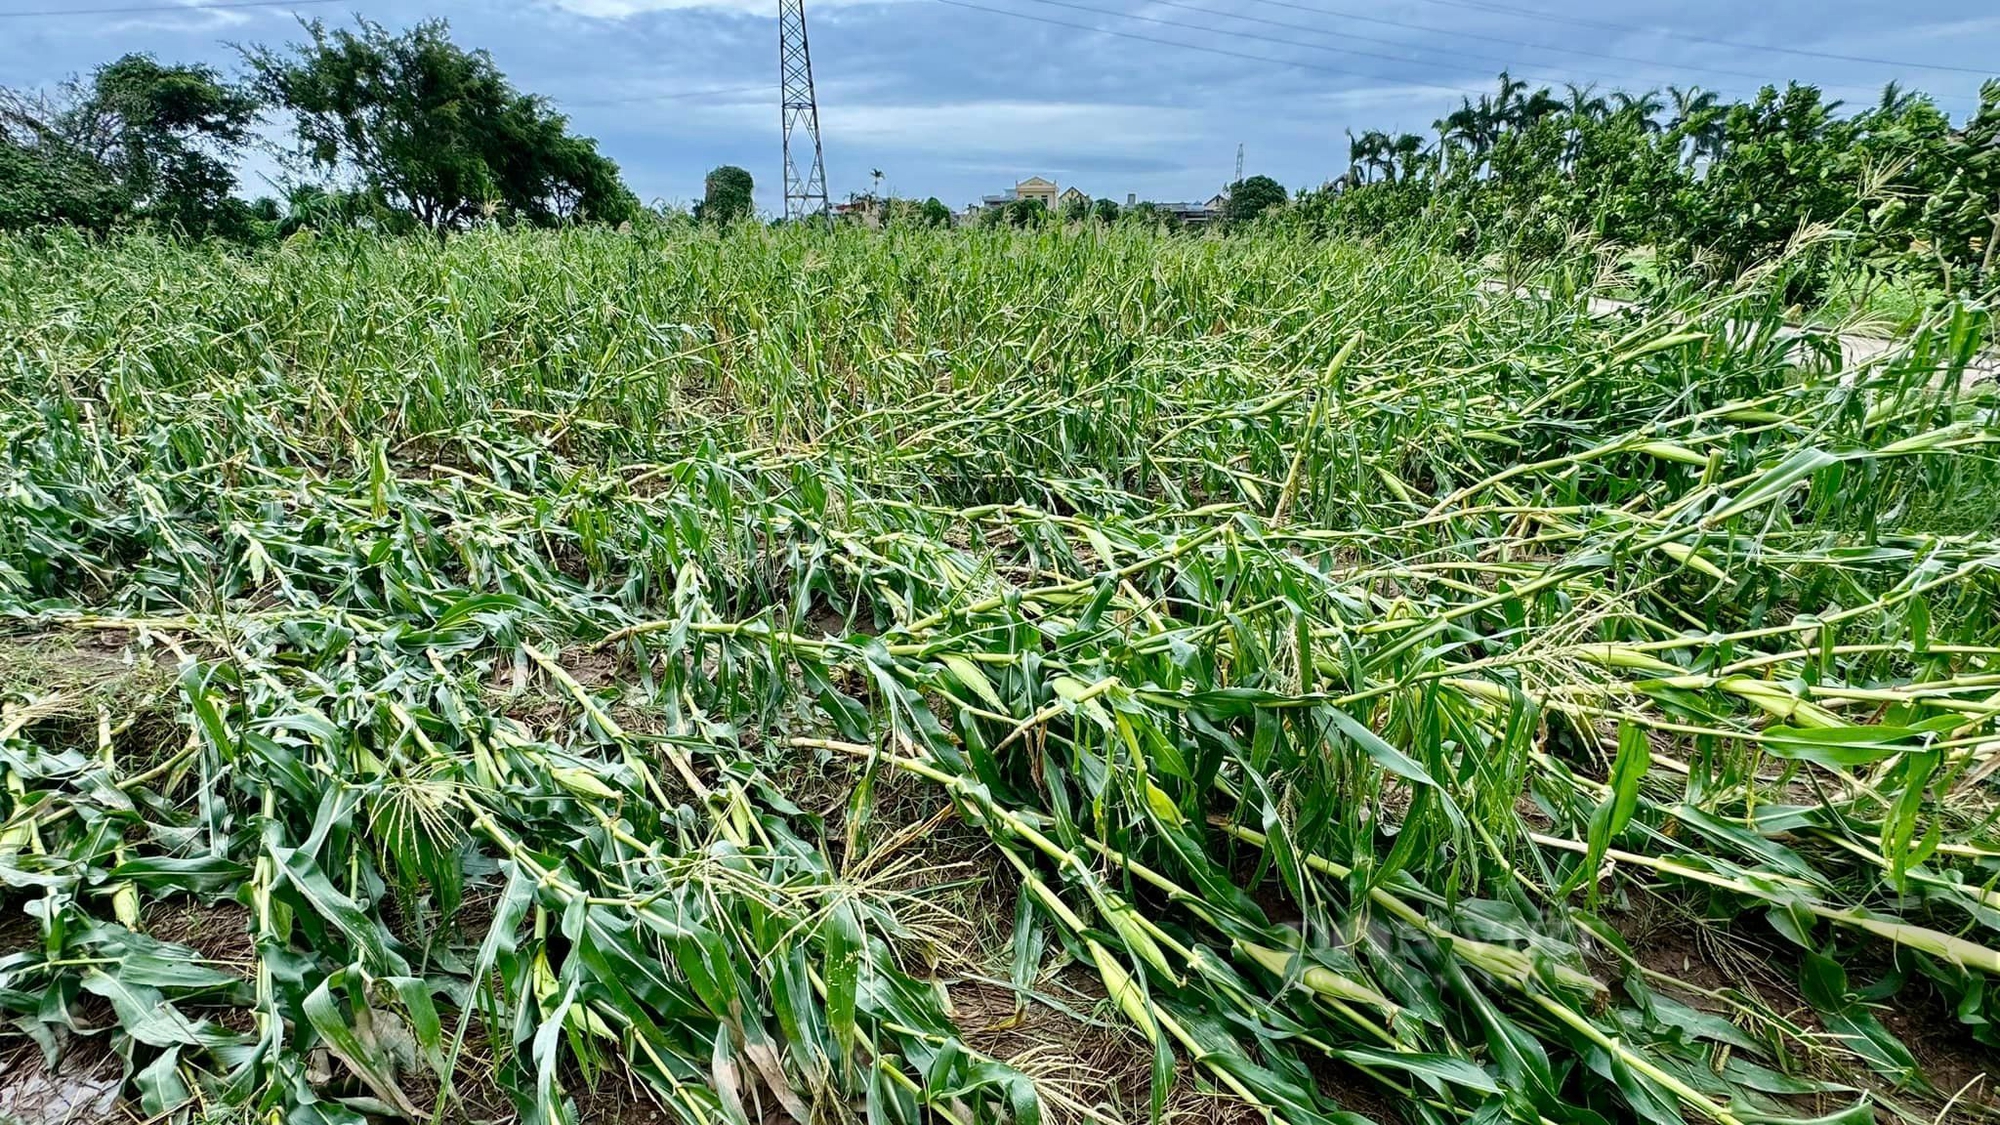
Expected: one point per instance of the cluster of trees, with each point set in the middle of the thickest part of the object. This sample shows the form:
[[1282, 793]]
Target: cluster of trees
[[1104, 210], [137, 138], [1695, 177], [872, 208], [417, 133]]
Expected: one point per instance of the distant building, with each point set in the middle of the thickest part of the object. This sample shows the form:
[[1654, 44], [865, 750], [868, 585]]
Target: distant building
[[863, 210], [1034, 187], [1194, 214]]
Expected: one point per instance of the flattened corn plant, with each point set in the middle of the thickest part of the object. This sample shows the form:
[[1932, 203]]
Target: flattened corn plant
[[1336, 654]]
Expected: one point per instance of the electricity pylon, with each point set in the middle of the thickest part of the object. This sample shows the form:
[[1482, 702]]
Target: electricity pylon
[[805, 194]]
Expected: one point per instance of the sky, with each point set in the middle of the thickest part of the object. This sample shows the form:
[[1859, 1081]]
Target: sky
[[960, 98]]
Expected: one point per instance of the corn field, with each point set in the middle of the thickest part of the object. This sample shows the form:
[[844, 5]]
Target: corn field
[[759, 676]]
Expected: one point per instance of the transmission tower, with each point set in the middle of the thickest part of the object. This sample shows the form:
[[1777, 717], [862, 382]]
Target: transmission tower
[[805, 195], [1239, 163]]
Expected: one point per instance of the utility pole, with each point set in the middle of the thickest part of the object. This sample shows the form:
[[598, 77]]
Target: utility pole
[[805, 194]]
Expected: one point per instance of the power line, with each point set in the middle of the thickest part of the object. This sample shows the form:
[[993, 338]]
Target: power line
[[1403, 59], [1199, 47], [1406, 59], [1536, 13], [1240, 35], [1508, 63], [137, 8], [1345, 13]]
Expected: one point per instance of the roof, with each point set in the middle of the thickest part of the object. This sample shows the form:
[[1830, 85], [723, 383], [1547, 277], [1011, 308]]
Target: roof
[[1073, 190], [1035, 181], [1003, 197]]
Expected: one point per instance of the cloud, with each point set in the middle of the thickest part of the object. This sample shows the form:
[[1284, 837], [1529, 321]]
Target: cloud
[[1003, 127], [625, 9]]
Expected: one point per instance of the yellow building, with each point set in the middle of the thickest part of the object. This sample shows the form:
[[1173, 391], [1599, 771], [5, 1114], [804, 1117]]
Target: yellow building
[[1035, 187]]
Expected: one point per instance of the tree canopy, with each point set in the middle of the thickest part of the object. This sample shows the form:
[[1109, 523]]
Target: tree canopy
[[1700, 180], [728, 194], [433, 129], [139, 139], [1251, 197]]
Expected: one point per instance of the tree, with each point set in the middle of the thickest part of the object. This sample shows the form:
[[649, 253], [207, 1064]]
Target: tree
[[140, 139], [1249, 198], [1643, 108], [434, 129], [1914, 197], [727, 195], [1697, 122], [1027, 212], [1406, 156], [934, 213], [1502, 109], [1076, 209], [1105, 210], [1372, 151], [43, 180]]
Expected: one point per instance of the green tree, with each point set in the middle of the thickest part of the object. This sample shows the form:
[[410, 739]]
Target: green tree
[[727, 195], [1076, 210], [139, 139], [1027, 212], [934, 213], [434, 129], [1913, 198], [1105, 210], [43, 182], [1146, 213], [1249, 198]]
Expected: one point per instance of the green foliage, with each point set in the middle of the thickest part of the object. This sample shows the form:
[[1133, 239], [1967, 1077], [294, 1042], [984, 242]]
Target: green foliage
[[1105, 210], [1026, 212], [610, 657], [434, 130], [1249, 198], [43, 183], [139, 140], [934, 213], [1715, 186], [315, 207], [1148, 214], [1076, 210], [164, 126], [728, 194]]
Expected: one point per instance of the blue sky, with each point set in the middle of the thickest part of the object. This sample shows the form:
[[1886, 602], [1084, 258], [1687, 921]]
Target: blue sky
[[953, 101]]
